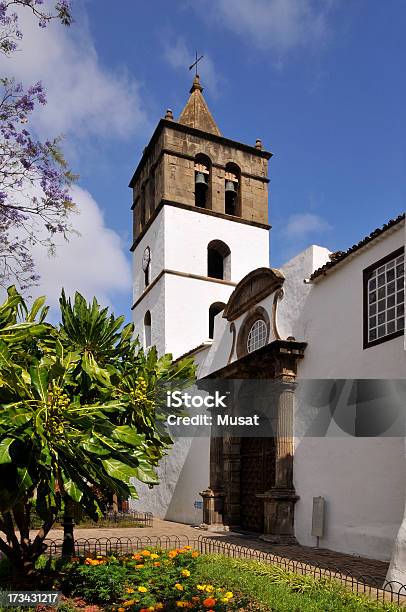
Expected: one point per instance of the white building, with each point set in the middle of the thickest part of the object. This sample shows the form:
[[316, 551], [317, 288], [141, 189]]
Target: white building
[[203, 287]]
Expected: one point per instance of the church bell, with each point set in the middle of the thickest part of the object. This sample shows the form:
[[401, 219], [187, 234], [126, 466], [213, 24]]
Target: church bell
[[230, 188], [200, 179]]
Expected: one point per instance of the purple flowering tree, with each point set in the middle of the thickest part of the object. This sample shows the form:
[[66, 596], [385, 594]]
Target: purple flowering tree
[[34, 177]]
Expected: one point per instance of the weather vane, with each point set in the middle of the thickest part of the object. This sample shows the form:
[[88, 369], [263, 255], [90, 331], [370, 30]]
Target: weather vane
[[195, 63]]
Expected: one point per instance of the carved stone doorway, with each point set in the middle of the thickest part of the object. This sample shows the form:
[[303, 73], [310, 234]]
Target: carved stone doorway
[[257, 475]]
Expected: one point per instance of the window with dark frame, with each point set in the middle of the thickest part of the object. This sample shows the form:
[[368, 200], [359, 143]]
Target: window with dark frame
[[384, 299]]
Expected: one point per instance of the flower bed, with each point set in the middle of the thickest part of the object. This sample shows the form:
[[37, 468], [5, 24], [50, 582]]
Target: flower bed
[[145, 581], [155, 579]]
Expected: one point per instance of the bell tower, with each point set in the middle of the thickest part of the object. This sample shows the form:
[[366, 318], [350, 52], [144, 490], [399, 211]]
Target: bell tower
[[200, 223]]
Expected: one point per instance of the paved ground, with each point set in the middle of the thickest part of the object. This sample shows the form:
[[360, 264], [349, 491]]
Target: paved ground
[[373, 570]]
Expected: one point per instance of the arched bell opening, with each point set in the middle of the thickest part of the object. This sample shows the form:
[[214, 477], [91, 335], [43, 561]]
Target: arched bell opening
[[202, 181], [232, 190]]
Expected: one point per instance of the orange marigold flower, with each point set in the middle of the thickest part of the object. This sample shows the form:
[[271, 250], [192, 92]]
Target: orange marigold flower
[[140, 566], [172, 554], [137, 557], [157, 564], [121, 609], [187, 547], [195, 554], [209, 602], [146, 553], [129, 590]]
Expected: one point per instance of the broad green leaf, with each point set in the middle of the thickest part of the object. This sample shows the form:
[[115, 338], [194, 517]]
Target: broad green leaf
[[37, 305], [24, 479], [73, 490], [91, 368], [4, 450], [95, 448], [127, 434], [117, 469], [39, 379], [145, 473]]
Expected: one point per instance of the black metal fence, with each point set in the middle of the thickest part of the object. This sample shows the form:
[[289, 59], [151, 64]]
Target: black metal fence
[[372, 586], [131, 518]]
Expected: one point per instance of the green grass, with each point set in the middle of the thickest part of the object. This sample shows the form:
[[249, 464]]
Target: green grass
[[268, 587]]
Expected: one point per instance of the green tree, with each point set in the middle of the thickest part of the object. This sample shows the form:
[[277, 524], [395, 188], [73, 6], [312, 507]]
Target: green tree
[[81, 411]]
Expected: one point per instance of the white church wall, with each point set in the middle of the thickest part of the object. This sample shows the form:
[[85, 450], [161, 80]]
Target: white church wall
[[332, 322], [154, 239], [290, 307], [182, 474], [187, 303], [288, 312], [362, 479], [154, 301], [188, 233], [217, 355]]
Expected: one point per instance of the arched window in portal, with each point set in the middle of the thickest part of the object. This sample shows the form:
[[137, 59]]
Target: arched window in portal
[[232, 190], [218, 260], [202, 181], [147, 329], [214, 310]]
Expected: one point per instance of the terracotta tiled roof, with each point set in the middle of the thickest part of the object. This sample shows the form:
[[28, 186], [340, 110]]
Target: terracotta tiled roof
[[339, 256]]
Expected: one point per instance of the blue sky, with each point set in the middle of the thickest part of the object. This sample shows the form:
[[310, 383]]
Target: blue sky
[[320, 82]]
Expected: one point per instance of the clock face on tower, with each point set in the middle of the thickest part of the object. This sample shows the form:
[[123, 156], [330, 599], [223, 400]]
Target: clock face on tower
[[146, 258]]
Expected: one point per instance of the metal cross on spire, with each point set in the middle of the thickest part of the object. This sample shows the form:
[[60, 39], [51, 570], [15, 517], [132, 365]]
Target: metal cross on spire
[[195, 63]]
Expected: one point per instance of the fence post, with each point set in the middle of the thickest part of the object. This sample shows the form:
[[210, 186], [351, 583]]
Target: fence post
[[68, 545]]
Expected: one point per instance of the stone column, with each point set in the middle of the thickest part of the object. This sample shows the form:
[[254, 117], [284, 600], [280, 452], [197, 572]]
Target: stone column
[[213, 496], [280, 500]]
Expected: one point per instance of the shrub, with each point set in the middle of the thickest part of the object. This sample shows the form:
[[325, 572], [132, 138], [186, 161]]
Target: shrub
[[96, 584]]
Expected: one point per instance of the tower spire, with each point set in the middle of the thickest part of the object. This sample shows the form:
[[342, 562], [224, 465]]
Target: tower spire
[[196, 113]]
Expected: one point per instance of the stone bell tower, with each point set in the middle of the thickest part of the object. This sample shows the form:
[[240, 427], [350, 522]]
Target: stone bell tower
[[200, 223]]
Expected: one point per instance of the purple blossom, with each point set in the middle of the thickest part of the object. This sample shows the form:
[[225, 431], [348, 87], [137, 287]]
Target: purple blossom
[[34, 181], [27, 163]]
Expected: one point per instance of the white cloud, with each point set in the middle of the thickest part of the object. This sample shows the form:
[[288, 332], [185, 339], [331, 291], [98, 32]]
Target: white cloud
[[302, 225], [85, 98], [92, 263], [180, 56], [276, 25]]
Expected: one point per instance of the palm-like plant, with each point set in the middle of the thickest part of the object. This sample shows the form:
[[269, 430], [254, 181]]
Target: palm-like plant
[[79, 411]]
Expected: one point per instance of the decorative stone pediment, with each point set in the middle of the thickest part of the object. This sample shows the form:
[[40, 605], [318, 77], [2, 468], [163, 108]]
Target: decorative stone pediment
[[253, 288]]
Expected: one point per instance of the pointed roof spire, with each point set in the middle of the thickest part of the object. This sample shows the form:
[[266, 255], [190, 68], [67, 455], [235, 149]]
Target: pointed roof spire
[[196, 112]]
